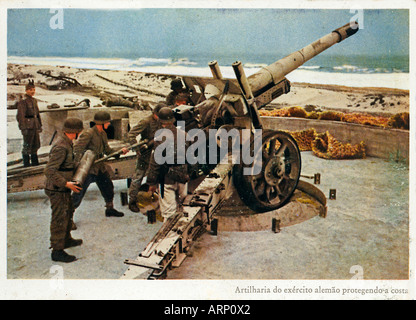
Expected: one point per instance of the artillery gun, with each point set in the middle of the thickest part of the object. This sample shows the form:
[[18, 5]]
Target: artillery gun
[[264, 185]]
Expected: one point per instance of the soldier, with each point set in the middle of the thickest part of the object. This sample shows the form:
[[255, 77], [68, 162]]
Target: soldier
[[172, 177], [146, 128], [95, 139], [30, 124], [179, 95], [59, 171]]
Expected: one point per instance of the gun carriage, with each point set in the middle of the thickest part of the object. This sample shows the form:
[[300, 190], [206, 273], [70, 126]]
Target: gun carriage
[[264, 185]]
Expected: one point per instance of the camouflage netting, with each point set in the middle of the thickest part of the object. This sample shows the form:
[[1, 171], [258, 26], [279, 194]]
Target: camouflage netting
[[327, 147], [365, 119], [397, 121], [324, 145], [304, 138]]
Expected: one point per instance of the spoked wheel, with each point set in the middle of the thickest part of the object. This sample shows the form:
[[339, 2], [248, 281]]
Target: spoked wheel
[[272, 186]]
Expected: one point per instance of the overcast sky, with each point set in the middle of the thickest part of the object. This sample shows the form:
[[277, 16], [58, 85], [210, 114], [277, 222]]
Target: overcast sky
[[167, 32]]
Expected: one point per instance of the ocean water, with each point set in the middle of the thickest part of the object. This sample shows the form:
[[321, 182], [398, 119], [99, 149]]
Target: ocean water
[[352, 64], [358, 74]]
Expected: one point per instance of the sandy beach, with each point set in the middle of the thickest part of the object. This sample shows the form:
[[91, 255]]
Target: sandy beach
[[369, 226], [146, 89], [151, 88]]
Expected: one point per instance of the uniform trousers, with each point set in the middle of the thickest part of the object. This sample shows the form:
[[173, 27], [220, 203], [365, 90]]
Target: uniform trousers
[[136, 183], [62, 213], [31, 141], [171, 202], [104, 184]]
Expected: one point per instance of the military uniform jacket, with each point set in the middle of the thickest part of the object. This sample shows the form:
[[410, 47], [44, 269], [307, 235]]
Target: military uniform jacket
[[60, 167], [28, 114], [146, 128], [168, 173], [92, 139]]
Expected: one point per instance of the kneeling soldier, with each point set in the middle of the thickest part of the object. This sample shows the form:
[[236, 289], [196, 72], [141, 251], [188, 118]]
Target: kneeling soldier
[[146, 129], [59, 171]]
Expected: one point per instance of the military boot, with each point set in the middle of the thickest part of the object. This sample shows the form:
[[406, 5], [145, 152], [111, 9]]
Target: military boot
[[26, 160], [34, 159], [62, 256], [111, 212], [133, 205]]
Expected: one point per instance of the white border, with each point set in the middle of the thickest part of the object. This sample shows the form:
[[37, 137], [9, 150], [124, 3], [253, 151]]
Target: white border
[[197, 289]]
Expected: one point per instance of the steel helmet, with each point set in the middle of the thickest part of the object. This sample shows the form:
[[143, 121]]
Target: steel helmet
[[73, 125], [166, 115], [159, 106], [102, 117]]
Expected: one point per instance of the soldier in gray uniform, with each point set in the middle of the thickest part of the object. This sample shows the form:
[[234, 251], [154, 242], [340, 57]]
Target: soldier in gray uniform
[[172, 178], [95, 139], [30, 124], [59, 172], [146, 129]]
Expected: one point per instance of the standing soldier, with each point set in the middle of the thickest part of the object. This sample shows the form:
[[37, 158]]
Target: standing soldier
[[146, 128], [172, 177], [59, 171], [28, 118], [95, 139]]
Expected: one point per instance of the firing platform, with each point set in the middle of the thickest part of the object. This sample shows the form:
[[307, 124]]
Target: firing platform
[[366, 225]]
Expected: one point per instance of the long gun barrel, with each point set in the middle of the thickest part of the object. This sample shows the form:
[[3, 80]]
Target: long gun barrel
[[272, 75]]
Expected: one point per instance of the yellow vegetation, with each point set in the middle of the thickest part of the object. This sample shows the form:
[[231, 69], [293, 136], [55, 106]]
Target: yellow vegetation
[[399, 121], [327, 147], [304, 138], [324, 145]]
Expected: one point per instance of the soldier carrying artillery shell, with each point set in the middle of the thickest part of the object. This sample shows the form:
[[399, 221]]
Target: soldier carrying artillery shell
[[59, 172], [95, 139]]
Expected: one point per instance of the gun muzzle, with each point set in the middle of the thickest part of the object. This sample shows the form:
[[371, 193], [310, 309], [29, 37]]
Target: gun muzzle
[[347, 30], [242, 79], [215, 70], [271, 75]]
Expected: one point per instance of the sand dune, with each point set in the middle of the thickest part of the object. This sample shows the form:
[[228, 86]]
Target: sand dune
[[151, 88]]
